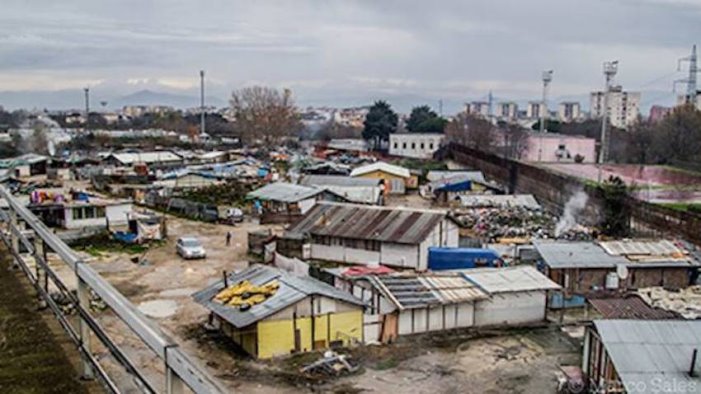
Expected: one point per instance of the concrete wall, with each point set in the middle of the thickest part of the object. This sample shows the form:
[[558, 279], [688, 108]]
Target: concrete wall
[[511, 308]]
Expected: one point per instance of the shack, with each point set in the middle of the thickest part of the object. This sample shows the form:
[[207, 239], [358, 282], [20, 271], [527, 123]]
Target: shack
[[78, 210], [364, 234], [517, 295], [642, 356], [269, 312], [356, 190], [587, 268], [282, 202], [395, 179], [28, 164]]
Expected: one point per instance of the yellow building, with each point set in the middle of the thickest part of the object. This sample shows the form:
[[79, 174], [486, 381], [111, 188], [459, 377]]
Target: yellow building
[[301, 313], [396, 179]]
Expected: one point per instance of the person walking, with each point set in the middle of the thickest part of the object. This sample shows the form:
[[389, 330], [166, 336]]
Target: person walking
[[228, 238]]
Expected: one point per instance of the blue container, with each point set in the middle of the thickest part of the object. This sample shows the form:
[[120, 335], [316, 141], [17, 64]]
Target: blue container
[[461, 258]]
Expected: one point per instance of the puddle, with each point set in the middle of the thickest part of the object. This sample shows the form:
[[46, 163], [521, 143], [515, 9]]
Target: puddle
[[183, 292], [158, 308]]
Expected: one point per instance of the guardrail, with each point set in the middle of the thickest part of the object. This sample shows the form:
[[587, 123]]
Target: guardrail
[[181, 371]]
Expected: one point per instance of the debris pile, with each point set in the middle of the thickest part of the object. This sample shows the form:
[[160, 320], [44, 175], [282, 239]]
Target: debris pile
[[332, 364], [684, 302], [494, 224], [245, 294]]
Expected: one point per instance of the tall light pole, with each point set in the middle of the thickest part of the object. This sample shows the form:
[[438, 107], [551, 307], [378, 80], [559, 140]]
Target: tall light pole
[[610, 70], [87, 108], [202, 103], [547, 78]]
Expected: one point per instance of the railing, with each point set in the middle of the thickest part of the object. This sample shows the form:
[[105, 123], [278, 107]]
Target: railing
[[180, 370]]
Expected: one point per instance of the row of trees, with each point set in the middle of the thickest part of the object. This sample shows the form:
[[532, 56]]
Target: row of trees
[[381, 121]]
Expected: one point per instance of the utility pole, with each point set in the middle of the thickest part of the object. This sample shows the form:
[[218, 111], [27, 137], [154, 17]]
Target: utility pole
[[202, 103], [610, 70], [547, 78], [490, 101], [87, 108], [691, 91]]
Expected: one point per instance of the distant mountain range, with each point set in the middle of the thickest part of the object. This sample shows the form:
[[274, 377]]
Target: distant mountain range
[[75, 99]]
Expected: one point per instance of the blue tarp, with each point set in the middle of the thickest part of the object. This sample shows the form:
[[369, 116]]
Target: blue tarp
[[459, 258], [127, 238], [455, 187]]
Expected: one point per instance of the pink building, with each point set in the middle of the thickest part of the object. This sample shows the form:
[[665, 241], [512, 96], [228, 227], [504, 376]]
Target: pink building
[[551, 147]]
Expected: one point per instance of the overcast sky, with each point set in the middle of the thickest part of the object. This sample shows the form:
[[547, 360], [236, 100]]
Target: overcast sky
[[340, 52]]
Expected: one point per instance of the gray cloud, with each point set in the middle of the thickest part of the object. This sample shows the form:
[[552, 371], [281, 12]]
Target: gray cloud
[[331, 51]]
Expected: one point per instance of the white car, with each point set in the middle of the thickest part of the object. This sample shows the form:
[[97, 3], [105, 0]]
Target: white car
[[190, 248]]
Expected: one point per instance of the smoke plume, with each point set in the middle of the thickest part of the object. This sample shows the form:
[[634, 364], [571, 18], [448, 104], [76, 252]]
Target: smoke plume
[[573, 207]]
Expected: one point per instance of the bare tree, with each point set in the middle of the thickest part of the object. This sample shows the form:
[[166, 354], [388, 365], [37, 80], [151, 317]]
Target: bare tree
[[265, 114], [472, 131], [515, 141]]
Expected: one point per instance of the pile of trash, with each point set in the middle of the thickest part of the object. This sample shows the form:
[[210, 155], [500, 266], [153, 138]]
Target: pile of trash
[[332, 364], [684, 302], [494, 224], [245, 294]]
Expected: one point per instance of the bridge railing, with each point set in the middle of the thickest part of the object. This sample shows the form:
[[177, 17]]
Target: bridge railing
[[180, 370]]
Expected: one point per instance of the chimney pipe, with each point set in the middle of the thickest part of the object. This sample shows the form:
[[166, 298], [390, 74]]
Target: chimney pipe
[[692, 368]]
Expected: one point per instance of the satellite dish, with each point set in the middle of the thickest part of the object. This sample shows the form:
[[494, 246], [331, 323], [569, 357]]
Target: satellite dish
[[622, 271]]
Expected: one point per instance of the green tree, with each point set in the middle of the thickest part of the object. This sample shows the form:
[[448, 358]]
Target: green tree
[[616, 211], [424, 120], [380, 122], [551, 125]]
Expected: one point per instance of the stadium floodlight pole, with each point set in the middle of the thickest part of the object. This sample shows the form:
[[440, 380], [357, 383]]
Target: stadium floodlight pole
[[547, 78], [610, 70], [202, 103]]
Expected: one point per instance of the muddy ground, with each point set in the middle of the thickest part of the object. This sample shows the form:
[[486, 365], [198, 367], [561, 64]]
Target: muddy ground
[[518, 361]]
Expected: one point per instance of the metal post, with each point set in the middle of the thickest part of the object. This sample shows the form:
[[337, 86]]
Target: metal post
[[14, 239], [547, 77], [202, 130], [40, 254], [84, 300], [87, 109], [610, 69], [174, 384]]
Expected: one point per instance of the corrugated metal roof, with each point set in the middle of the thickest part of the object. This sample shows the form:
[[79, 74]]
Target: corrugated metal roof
[[475, 176], [563, 254], [354, 221], [652, 354], [576, 254], [338, 180], [499, 201], [632, 307], [292, 289], [510, 279], [285, 192], [383, 167], [27, 158], [409, 291], [146, 157], [651, 248]]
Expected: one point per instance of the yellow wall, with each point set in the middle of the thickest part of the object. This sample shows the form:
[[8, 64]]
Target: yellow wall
[[276, 337], [411, 182]]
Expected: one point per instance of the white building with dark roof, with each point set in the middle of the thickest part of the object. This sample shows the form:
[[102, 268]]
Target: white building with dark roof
[[362, 234]]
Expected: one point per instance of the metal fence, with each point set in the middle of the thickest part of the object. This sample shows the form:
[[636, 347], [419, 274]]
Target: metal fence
[[180, 370]]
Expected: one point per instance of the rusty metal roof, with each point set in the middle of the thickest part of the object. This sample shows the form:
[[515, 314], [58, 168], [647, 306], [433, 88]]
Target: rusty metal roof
[[422, 290], [399, 225], [631, 307]]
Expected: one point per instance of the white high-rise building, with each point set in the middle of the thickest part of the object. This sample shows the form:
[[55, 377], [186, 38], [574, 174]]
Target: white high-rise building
[[623, 107], [535, 109], [569, 111], [506, 110], [480, 108]]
